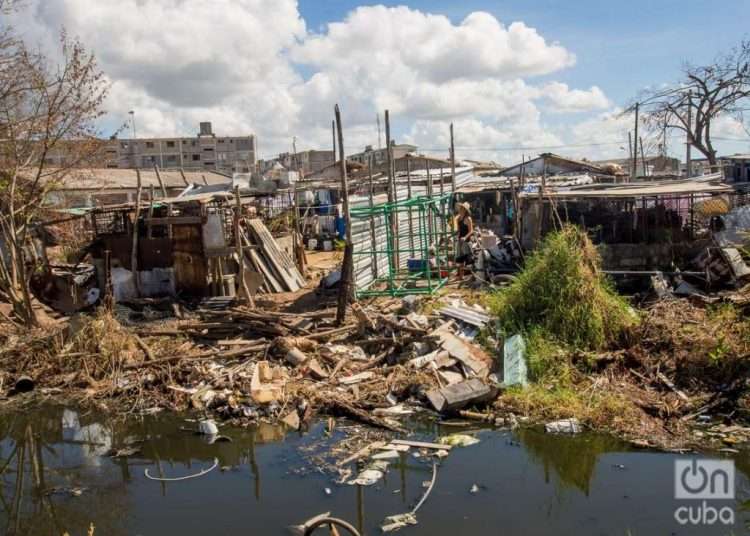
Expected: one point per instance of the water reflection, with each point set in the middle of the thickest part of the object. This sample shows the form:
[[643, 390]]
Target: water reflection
[[571, 458], [57, 476]]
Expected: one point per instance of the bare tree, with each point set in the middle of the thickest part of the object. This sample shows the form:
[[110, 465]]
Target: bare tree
[[45, 108], [704, 93]]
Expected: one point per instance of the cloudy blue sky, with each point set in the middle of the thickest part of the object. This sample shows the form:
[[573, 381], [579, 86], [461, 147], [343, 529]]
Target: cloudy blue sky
[[514, 76]]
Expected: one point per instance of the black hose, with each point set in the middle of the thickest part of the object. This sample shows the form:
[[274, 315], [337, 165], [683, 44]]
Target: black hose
[[331, 521]]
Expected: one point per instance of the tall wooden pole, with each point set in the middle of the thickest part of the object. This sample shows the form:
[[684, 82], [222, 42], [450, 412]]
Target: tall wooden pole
[[150, 210], [688, 140], [633, 170], [408, 194], [453, 164], [372, 221], [134, 250], [346, 293], [242, 285], [393, 193], [643, 157], [161, 183], [333, 134], [430, 215]]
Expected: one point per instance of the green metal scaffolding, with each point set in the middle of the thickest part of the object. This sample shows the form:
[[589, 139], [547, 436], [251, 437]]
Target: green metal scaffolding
[[426, 248]]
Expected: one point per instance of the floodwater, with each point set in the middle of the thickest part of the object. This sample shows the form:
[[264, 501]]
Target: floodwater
[[56, 478]]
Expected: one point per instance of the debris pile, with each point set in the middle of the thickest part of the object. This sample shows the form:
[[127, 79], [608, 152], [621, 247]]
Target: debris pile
[[244, 364]]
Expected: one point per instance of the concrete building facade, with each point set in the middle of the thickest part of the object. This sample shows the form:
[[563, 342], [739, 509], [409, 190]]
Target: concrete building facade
[[307, 162], [205, 151], [380, 156]]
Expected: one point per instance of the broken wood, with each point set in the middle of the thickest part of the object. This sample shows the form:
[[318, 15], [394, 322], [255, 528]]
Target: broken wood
[[345, 408]]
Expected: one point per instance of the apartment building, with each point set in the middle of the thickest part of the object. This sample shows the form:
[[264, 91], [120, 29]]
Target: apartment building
[[205, 151], [379, 156], [307, 162]]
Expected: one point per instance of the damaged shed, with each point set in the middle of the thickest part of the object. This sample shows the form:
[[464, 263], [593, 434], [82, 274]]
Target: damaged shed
[[637, 226]]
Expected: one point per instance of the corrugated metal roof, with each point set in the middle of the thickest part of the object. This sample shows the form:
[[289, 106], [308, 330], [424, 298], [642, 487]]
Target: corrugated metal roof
[[106, 178], [704, 185]]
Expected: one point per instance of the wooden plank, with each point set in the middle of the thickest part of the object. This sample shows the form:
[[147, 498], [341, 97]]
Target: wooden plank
[[269, 253], [270, 281], [420, 444], [277, 256], [281, 275], [175, 220]]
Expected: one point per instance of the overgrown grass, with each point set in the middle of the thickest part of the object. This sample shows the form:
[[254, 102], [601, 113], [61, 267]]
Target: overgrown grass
[[563, 304], [562, 293]]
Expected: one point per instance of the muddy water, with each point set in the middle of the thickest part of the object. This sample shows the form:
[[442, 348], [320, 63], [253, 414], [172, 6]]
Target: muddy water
[[56, 477]]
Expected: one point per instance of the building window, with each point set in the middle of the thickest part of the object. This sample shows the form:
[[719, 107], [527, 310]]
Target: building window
[[171, 158], [149, 145], [196, 157], [170, 144], [221, 141], [208, 149]]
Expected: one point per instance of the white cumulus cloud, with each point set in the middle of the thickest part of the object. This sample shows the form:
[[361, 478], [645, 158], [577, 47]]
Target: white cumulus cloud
[[252, 66]]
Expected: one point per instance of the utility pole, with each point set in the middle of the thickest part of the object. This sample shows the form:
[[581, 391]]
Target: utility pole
[[635, 146], [333, 134], [345, 288], [688, 144], [377, 118], [643, 157], [453, 164]]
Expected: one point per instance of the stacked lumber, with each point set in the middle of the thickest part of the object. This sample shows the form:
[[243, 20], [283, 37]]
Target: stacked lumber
[[265, 257], [240, 324]]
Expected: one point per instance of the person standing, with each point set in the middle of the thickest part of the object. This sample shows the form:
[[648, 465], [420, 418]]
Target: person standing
[[464, 227]]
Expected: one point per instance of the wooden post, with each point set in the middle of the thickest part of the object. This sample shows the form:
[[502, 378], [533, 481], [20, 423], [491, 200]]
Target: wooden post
[[643, 158], [516, 215], [184, 178], [393, 193], [345, 286], [134, 249], [408, 193], [150, 210], [333, 133], [161, 183], [242, 285], [373, 236], [108, 290], [453, 164], [635, 145], [688, 139], [540, 201], [430, 215]]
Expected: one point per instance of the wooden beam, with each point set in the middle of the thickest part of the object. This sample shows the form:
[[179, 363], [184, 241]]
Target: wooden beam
[[345, 290], [175, 220], [161, 183], [134, 250]]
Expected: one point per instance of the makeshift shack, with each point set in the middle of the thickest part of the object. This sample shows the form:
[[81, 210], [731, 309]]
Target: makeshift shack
[[196, 245], [638, 225]]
